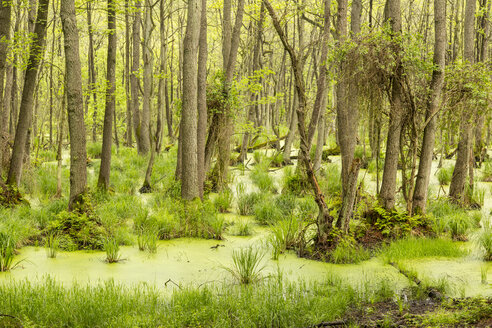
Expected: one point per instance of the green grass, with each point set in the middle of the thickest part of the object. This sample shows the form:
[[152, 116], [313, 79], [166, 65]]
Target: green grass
[[7, 251], [223, 201], [241, 228], [411, 248], [246, 202], [348, 252], [47, 303], [262, 178], [52, 245], [266, 212], [331, 182], [444, 175], [246, 268], [485, 240], [112, 249]]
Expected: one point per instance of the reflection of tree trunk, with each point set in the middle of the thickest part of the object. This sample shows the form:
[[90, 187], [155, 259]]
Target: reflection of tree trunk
[[27, 103], [427, 152], [75, 105], [104, 171]]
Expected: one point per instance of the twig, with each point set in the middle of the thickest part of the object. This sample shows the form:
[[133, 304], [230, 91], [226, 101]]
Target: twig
[[171, 281]]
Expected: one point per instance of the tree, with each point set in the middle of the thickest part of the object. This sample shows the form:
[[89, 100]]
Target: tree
[[104, 171], [27, 102], [75, 105], [460, 172], [5, 18], [202, 98], [423, 176], [388, 185], [188, 128]]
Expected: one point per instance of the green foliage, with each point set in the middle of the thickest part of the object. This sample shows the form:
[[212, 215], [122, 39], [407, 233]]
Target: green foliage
[[348, 251], [487, 172], [286, 203], [444, 175], [247, 267], [396, 224], [411, 248], [475, 196], [283, 236], [307, 209], [94, 149], [223, 201], [77, 231], [294, 182]]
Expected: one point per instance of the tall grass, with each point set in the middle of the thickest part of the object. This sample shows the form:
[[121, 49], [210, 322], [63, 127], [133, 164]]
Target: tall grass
[[246, 202], [47, 303], [7, 251], [411, 248], [223, 201], [247, 267], [485, 240], [112, 250], [52, 245], [444, 175]]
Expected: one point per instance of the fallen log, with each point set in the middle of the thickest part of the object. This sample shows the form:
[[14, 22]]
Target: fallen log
[[261, 145]]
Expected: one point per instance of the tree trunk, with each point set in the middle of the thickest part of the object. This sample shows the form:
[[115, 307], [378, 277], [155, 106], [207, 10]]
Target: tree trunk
[[202, 98], [135, 91], [92, 72], [105, 168], [129, 127], [27, 102], [388, 185], [458, 181], [75, 106], [5, 19], [147, 79], [188, 131]]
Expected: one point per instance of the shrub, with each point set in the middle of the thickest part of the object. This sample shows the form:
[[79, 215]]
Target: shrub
[[246, 268], [77, 231]]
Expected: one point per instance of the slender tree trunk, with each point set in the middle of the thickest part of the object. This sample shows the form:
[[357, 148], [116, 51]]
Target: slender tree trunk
[[75, 106], [188, 132], [129, 126], [147, 80], [92, 72], [460, 173], [135, 91], [59, 158], [427, 152], [104, 171], [202, 98], [5, 19], [388, 186], [27, 102]]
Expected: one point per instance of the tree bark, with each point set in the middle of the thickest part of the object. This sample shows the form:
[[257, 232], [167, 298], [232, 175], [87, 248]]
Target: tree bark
[[188, 131], [388, 186], [129, 126], [27, 102], [460, 173], [427, 152], [75, 105], [92, 72], [147, 80], [202, 98], [135, 92], [105, 168], [5, 19]]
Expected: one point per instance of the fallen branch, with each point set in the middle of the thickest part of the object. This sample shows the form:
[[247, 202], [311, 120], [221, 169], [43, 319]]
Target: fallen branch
[[329, 324]]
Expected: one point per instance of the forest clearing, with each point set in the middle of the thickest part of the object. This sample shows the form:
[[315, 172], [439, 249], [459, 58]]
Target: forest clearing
[[245, 163]]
